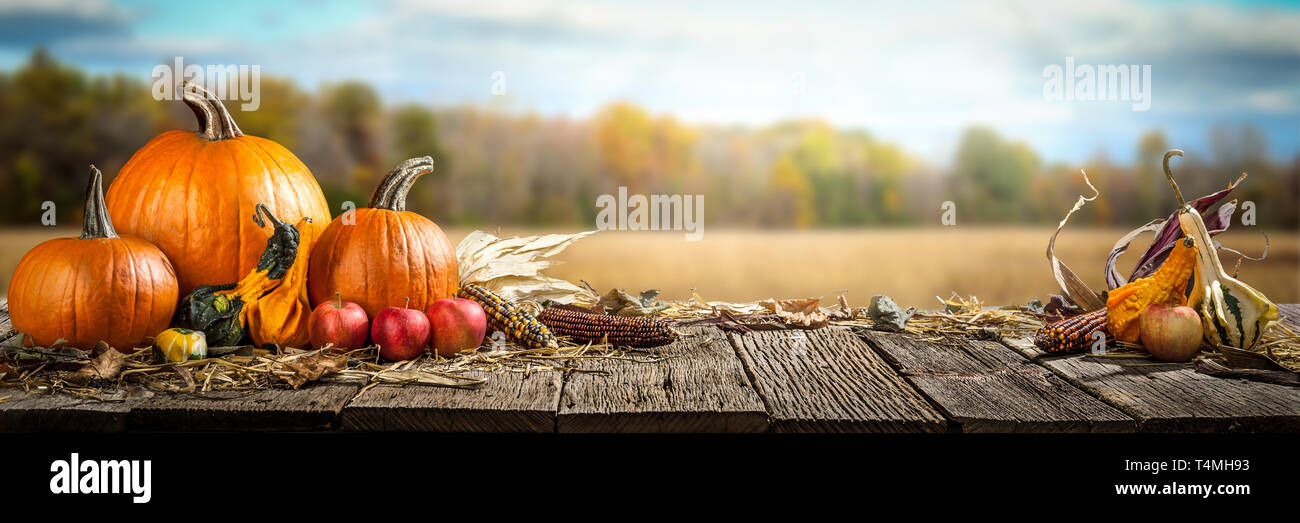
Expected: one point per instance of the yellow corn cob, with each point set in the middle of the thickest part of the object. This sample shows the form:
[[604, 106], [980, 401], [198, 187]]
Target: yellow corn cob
[[518, 325]]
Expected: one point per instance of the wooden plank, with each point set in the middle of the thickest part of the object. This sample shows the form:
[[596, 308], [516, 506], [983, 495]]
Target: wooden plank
[[41, 412], [984, 386], [700, 387], [316, 406], [6, 325], [828, 380], [1176, 398], [1290, 315], [508, 402], [1025, 346]]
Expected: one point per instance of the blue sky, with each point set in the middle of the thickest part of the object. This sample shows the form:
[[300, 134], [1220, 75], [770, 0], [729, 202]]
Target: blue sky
[[916, 72]]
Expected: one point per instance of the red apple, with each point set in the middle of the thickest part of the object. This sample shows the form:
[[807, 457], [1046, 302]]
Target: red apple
[[339, 322], [458, 324], [400, 333], [1171, 333]]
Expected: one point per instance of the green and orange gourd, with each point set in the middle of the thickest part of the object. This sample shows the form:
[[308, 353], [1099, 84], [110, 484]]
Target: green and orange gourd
[[269, 304]]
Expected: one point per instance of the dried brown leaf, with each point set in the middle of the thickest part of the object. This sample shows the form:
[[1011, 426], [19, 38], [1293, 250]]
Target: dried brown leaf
[[805, 313], [1244, 359], [310, 367], [623, 303], [845, 312], [105, 363]]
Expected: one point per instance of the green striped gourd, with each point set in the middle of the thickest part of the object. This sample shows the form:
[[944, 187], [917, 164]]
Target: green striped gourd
[[1232, 313]]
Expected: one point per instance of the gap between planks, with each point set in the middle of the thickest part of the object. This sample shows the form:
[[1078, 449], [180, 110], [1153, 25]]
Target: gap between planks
[[984, 386]]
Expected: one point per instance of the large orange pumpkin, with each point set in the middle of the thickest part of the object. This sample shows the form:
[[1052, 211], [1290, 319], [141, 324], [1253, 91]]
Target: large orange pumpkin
[[190, 193], [99, 287], [380, 256]]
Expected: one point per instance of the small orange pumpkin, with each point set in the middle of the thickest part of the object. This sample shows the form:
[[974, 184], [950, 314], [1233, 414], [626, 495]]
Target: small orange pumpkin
[[190, 193], [120, 290], [380, 256]]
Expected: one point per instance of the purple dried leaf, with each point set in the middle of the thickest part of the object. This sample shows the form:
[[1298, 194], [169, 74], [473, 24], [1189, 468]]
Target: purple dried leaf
[[1170, 233], [1058, 307], [1215, 223]]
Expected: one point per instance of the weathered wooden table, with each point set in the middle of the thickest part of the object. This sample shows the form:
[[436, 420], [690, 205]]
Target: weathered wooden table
[[830, 380]]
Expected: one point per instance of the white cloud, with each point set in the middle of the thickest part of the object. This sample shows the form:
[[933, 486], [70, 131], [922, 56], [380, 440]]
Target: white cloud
[[81, 8], [916, 68]]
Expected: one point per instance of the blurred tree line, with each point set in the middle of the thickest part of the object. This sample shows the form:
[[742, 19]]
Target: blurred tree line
[[495, 167]]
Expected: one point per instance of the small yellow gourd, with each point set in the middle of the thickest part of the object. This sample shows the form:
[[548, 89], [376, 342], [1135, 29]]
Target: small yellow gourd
[[176, 345]]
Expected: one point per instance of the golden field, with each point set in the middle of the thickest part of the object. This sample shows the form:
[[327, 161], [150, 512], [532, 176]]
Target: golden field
[[998, 265]]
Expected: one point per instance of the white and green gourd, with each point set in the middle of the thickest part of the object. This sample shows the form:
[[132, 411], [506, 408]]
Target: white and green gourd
[[1232, 312]]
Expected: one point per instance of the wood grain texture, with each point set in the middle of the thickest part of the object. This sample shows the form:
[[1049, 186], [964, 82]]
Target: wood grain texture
[[41, 412], [6, 326], [508, 402], [1174, 397], [984, 386], [828, 380], [838, 383], [1025, 346], [315, 406], [700, 387], [1290, 315]]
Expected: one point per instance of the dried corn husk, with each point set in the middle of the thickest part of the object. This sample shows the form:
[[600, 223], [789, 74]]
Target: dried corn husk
[[1072, 286], [512, 267]]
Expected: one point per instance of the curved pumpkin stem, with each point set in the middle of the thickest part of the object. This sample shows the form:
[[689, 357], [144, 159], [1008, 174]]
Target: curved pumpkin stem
[[97, 223], [392, 190], [215, 122], [1170, 175], [261, 209]]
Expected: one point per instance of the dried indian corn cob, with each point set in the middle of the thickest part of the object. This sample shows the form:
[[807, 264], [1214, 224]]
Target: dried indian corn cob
[[518, 325], [617, 330], [1072, 334]]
